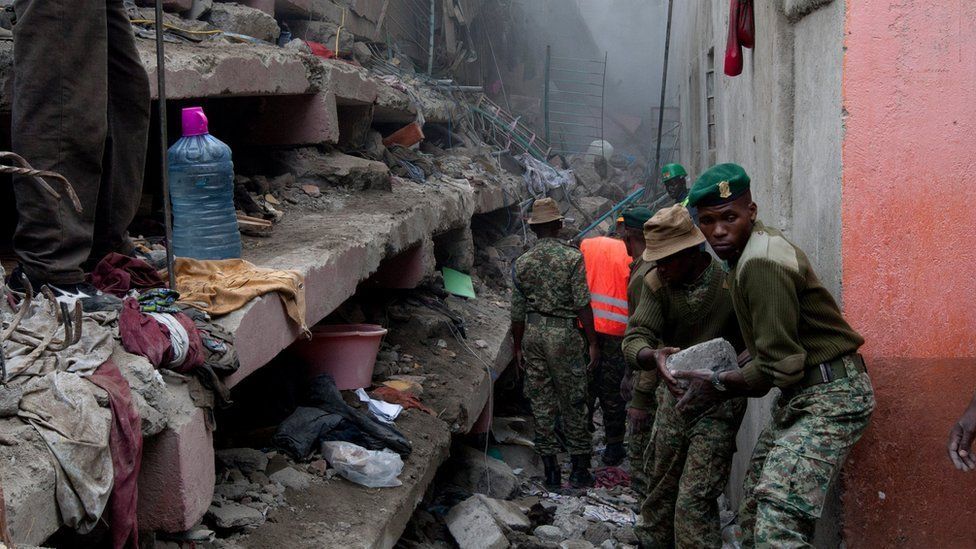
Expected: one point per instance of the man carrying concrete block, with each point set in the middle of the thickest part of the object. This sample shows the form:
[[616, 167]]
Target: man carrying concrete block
[[799, 342], [688, 459]]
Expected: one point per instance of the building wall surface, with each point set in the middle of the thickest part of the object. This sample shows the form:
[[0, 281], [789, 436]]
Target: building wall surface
[[908, 85]]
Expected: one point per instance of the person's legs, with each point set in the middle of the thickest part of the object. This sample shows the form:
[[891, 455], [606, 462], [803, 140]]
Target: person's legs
[[818, 427], [59, 124], [747, 508], [613, 366], [540, 391], [705, 474], [128, 128], [663, 474], [568, 369]]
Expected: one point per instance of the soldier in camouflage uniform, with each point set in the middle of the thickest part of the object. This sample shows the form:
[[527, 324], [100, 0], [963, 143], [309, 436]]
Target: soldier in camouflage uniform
[[799, 342], [549, 296], [687, 462]]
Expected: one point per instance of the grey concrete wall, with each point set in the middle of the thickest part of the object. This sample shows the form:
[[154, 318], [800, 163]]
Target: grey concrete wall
[[780, 119]]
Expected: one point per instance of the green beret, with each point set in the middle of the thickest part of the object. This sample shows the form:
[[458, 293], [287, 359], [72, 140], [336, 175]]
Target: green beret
[[636, 217], [672, 171], [719, 184]]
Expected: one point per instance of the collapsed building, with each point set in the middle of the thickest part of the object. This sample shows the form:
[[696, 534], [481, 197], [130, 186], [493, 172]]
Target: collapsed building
[[364, 168]]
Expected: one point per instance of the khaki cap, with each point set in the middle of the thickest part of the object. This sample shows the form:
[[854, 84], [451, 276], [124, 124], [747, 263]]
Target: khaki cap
[[544, 210], [670, 231]]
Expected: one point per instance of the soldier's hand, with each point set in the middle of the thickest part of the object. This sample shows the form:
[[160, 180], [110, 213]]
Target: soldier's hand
[[700, 393], [519, 359], [637, 420], [594, 357], [627, 386], [961, 440], [661, 360]]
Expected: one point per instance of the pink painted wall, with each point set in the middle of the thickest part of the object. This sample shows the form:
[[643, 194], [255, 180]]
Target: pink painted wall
[[909, 256]]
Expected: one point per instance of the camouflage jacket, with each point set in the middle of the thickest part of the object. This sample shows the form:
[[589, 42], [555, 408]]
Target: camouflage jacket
[[549, 279]]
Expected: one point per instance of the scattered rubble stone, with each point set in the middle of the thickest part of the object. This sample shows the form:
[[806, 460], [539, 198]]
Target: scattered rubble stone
[[10, 400], [626, 535], [244, 20], [576, 544], [549, 533], [318, 467], [335, 169], [245, 460], [481, 344], [597, 532], [312, 190], [717, 355], [234, 491], [473, 526], [290, 477], [507, 513], [481, 474], [572, 525], [235, 515]]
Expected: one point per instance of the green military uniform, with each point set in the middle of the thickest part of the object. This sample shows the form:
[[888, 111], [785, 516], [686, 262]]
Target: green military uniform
[[604, 385], [549, 288], [644, 385], [688, 459], [800, 343]]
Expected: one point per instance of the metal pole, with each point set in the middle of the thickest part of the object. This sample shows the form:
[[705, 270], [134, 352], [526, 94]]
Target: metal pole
[[660, 119], [430, 52], [603, 100], [545, 97], [163, 140]]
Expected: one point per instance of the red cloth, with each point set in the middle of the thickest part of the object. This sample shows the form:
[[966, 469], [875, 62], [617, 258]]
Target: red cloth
[[116, 274], [142, 335], [125, 443], [608, 477], [407, 400], [320, 50], [733, 48], [746, 24]]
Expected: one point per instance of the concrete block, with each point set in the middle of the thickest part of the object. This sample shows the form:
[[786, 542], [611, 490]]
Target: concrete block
[[246, 460], [290, 477], [321, 10], [481, 474], [506, 513], [335, 169], [234, 516], [267, 6], [244, 20], [474, 527], [716, 355], [177, 476], [576, 544], [548, 533], [293, 120], [597, 532]]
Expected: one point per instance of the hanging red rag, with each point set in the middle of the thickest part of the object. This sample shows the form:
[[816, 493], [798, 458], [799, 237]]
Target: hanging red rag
[[733, 49], [746, 23]]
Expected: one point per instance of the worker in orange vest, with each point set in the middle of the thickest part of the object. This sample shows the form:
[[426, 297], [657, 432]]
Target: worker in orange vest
[[607, 275]]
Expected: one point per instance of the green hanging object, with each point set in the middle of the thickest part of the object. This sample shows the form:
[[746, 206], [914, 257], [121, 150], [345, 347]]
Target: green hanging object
[[458, 283]]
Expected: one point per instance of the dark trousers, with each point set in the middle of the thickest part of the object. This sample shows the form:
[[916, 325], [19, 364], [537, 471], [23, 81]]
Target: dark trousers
[[80, 108], [604, 386]]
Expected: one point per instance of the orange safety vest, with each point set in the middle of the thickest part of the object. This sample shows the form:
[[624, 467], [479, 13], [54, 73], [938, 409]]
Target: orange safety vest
[[607, 275]]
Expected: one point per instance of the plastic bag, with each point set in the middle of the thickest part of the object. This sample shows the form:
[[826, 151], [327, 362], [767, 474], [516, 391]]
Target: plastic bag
[[369, 468]]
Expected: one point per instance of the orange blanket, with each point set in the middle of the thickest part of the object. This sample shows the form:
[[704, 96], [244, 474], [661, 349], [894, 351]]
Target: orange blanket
[[221, 287]]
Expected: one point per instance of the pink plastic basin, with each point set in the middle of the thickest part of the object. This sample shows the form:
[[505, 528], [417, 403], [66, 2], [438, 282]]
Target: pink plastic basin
[[347, 352]]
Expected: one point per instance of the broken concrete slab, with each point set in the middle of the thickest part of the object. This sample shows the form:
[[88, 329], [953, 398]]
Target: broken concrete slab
[[506, 513], [323, 32], [549, 533], [246, 460], [289, 477], [308, 9], [473, 525], [481, 474], [244, 20], [576, 544], [716, 355], [333, 168], [10, 400], [234, 516]]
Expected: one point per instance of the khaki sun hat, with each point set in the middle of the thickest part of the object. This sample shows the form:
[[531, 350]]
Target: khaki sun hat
[[544, 210], [670, 231]]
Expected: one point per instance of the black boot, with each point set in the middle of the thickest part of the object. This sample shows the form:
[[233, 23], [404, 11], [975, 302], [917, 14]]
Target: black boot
[[614, 454], [581, 477], [554, 477]]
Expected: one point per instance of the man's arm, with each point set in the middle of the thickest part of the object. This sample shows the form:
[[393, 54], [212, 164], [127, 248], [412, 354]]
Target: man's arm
[[961, 439], [584, 312], [771, 292]]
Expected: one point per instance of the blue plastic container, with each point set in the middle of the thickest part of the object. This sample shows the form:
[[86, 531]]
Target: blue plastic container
[[201, 188]]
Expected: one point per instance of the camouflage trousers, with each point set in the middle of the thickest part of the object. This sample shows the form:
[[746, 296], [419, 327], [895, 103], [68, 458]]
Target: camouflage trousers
[[637, 442], [797, 458], [555, 383], [687, 467], [604, 386]]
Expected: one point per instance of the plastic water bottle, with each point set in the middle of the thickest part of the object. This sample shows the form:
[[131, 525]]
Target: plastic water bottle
[[201, 187]]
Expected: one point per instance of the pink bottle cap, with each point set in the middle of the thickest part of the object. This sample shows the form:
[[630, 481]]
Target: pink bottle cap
[[194, 121]]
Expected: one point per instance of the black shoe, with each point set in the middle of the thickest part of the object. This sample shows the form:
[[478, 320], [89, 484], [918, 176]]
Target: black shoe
[[614, 454], [92, 300], [554, 476], [580, 477]]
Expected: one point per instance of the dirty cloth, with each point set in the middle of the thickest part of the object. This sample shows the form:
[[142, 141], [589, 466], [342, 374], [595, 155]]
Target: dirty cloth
[[384, 411], [610, 477], [63, 409], [145, 334], [221, 287], [159, 301], [81, 109], [540, 178], [327, 417], [95, 346], [116, 274], [125, 443], [403, 398]]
